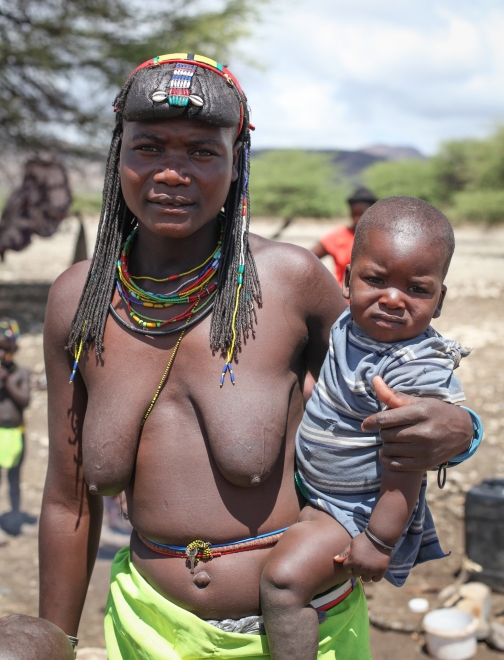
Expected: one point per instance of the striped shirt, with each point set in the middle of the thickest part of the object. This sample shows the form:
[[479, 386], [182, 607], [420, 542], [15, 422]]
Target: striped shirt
[[339, 463]]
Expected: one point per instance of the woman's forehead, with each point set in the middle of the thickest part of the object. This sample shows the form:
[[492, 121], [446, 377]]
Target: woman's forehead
[[187, 130]]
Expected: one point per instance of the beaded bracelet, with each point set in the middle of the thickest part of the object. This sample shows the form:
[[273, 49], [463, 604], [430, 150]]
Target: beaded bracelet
[[377, 541], [73, 641]]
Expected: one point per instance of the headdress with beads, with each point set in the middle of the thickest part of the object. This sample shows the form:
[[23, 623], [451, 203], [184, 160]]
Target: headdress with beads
[[166, 87]]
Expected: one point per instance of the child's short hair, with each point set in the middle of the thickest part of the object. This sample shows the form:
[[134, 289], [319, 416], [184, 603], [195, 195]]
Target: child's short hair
[[26, 637], [410, 216]]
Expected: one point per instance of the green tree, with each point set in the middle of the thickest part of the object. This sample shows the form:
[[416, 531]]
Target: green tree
[[415, 178], [292, 184], [61, 59]]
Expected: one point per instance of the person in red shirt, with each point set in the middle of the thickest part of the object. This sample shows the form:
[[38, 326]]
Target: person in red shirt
[[339, 242]]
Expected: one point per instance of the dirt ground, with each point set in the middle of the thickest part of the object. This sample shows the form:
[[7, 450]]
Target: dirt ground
[[473, 314]]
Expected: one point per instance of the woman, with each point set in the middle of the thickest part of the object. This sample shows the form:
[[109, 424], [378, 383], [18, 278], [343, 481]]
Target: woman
[[191, 401]]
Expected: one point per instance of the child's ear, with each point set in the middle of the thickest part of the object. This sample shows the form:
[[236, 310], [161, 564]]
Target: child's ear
[[345, 287], [439, 306]]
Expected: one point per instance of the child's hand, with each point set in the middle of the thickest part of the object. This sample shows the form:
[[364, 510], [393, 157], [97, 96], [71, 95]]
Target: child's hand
[[362, 558]]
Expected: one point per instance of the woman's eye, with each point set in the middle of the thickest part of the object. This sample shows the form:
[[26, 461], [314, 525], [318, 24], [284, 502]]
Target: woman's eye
[[202, 152], [150, 148]]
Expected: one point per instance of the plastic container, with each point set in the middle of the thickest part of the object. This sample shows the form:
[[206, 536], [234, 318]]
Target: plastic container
[[484, 531], [418, 605], [451, 634]]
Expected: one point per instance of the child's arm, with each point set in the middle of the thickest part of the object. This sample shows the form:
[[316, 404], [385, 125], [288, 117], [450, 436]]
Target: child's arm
[[17, 386], [398, 496]]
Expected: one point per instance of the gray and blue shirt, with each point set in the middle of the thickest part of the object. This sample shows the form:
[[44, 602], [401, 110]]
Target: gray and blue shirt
[[337, 462]]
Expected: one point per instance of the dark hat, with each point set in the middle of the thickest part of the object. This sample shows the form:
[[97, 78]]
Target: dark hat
[[185, 85], [362, 195]]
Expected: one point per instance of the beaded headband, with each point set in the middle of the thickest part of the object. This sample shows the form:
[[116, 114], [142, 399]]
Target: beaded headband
[[178, 84]]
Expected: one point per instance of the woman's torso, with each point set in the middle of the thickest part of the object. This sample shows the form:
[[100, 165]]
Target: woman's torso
[[212, 464]]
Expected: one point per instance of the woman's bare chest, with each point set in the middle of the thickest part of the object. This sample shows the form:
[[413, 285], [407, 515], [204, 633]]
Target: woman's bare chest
[[242, 426]]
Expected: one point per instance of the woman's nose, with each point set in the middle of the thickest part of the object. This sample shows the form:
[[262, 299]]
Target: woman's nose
[[172, 175]]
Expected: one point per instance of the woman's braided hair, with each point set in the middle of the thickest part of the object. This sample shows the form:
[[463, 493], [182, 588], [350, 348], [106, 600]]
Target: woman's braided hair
[[117, 222]]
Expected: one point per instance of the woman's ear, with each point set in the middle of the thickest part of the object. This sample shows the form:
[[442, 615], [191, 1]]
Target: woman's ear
[[439, 306], [345, 287], [236, 154]]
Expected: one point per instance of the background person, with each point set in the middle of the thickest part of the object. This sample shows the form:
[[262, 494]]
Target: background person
[[338, 242], [14, 398]]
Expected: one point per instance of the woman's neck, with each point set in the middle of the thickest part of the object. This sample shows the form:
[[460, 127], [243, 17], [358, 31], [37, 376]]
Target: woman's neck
[[162, 256]]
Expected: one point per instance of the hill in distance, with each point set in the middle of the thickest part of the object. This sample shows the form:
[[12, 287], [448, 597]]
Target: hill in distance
[[354, 162]]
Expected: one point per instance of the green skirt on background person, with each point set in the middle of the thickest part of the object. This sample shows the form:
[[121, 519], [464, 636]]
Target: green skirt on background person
[[140, 623], [11, 447]]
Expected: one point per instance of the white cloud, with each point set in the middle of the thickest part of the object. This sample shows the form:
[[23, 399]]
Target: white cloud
[[346, 73]]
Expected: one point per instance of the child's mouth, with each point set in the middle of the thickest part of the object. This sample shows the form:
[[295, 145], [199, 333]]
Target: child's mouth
[[387, 321]]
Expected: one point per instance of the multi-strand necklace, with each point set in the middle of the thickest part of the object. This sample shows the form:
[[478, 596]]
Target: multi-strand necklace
[[191, 292]]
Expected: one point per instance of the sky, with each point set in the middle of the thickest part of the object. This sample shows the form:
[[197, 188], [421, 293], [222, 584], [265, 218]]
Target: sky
[[353, 73]]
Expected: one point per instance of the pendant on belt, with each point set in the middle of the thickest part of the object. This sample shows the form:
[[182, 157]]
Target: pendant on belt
[[192, 552]]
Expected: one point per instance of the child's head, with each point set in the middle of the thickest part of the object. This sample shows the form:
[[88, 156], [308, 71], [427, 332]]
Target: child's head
[[25, 637], [9, 334], [401, 254]]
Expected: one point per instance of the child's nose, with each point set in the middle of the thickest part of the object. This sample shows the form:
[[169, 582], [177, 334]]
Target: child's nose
[[393, 299]]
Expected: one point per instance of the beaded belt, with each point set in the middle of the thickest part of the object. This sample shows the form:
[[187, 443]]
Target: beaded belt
[[197, 550]]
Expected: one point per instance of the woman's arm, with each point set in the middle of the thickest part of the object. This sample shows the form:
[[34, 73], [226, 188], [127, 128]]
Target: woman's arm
[[70, 521], [418, 433]]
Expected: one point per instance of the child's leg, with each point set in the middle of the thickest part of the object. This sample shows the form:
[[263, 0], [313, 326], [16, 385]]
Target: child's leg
[[14, 478], [300, 566]]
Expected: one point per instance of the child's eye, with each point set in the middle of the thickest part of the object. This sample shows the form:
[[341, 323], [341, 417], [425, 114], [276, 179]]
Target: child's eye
[[374, 280], [418, 289]]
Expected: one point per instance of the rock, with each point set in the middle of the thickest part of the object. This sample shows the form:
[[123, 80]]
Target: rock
[[495, 638], [91, 654]]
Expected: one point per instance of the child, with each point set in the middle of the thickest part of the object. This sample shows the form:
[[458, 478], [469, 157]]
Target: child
[[25, 638], [374, 520], [14, 398]]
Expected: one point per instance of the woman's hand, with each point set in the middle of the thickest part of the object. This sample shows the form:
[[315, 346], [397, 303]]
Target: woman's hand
[[418, 433]]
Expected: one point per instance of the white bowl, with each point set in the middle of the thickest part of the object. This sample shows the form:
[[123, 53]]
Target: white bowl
[[451, 634]]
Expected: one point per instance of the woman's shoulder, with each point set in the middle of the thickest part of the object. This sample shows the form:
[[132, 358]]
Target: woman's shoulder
[[65, 293]]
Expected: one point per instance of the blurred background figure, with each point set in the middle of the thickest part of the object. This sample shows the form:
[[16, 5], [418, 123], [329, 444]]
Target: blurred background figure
[[14, 398], [38, 206], [339, 242]]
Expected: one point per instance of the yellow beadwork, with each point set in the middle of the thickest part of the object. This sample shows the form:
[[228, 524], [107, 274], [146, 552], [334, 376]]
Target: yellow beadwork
[[165, 279], [163, 378], [77, 355], [204, 546]]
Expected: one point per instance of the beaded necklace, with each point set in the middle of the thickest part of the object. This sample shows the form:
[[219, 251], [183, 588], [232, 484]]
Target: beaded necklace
[[192, 292]]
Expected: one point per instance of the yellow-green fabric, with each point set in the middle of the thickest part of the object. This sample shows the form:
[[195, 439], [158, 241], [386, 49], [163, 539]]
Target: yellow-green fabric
[[11, 447], [140, 624]]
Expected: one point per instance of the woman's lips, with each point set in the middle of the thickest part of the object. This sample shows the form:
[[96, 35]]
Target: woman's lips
[[168, 204]]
